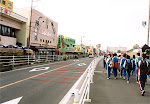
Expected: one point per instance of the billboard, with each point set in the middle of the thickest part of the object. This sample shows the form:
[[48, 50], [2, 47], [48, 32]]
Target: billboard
[[7, 4]]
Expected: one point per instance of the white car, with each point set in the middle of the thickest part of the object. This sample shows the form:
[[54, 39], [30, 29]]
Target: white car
[[91, 56]]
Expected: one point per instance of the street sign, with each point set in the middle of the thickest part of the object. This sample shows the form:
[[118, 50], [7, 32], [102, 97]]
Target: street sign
[[143, 23]]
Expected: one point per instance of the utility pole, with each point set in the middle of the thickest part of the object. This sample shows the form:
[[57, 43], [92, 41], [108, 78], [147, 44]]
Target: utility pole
[[30, 24], [148, 24]]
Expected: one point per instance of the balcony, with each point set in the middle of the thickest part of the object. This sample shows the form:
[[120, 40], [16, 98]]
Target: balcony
[[5, 40]]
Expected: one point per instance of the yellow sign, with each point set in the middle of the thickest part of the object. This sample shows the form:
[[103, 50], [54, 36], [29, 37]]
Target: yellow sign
[[77, 48], [7, 4]]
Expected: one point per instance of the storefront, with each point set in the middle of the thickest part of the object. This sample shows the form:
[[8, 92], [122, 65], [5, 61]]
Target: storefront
[[66, 45]]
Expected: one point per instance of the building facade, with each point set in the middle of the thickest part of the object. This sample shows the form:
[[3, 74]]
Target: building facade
[[66, 44], [115, 49], [13, 27], [42, 31]]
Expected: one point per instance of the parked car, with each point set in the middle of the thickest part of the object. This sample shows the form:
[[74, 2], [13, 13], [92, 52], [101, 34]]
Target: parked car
[[91, 56]]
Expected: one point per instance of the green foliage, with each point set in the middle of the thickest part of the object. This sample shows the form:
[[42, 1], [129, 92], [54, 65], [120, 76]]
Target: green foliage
[[136, 46], [118, 51]]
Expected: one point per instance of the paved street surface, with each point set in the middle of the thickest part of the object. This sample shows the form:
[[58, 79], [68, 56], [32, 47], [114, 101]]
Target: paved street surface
[[45, 84], [112, 91]]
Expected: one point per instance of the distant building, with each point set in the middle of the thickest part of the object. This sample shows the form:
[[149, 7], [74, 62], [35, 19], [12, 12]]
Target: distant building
[[65, 44], [89, 49], [115, 49]]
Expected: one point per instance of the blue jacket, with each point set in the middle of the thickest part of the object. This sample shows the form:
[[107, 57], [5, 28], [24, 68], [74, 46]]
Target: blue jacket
[[136, 61], [114, 59], [122, 62], [108, 60]]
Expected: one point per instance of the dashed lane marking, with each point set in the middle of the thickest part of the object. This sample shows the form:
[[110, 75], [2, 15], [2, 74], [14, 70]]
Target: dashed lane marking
[[52, 81], [59, 77]]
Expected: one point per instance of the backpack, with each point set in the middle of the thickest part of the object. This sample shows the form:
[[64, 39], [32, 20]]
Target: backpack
[[111, 64], [148, 70], [133, 64], [116, 64], [128, 66], [143, 67]]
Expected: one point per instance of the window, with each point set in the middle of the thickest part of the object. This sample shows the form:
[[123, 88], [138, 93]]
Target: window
[[13, 33], [50, 41], [2, 30], [3, 2], [40, 40], [43, 40], [46, 26], [5, 31], [8, 31], [9, 5]]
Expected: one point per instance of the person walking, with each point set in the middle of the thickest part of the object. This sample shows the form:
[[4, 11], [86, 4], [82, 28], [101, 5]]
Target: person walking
[[137, 66], [121, 66], [128, 67], [115, 61], [104, 61], [119, 59], [108, 64], [133, 62], [142, 73]]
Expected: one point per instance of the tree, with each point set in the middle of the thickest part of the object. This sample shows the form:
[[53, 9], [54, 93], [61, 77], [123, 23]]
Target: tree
[[136, 46], [118, 51]]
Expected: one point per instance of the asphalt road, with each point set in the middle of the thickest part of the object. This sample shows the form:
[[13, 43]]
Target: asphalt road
[[45, 84]]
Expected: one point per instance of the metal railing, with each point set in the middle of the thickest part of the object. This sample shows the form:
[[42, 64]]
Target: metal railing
[[9, 62], [80, 91]]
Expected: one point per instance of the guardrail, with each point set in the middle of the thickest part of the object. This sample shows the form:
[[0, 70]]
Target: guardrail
[[80, 91], [9, 62]]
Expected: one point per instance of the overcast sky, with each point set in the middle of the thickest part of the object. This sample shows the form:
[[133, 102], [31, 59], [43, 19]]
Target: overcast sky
[[105, 22]]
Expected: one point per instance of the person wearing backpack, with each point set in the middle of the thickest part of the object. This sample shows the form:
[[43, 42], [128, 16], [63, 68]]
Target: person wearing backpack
[[128, 67], [109, 65], [121, 66], [148, 71], [142, 73], [119, 59], [115, 61], [137, 66], [133, 61], [104, 61]]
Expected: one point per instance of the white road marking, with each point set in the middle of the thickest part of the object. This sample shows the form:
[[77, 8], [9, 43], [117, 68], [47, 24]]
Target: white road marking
[[39, 69], [75, 60], [14, 101], [82, 64]]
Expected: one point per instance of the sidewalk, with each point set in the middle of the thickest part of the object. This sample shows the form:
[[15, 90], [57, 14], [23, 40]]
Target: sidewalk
[[104, 91]]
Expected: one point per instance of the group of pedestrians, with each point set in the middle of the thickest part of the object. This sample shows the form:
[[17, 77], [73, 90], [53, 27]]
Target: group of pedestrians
[[126, 66]]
